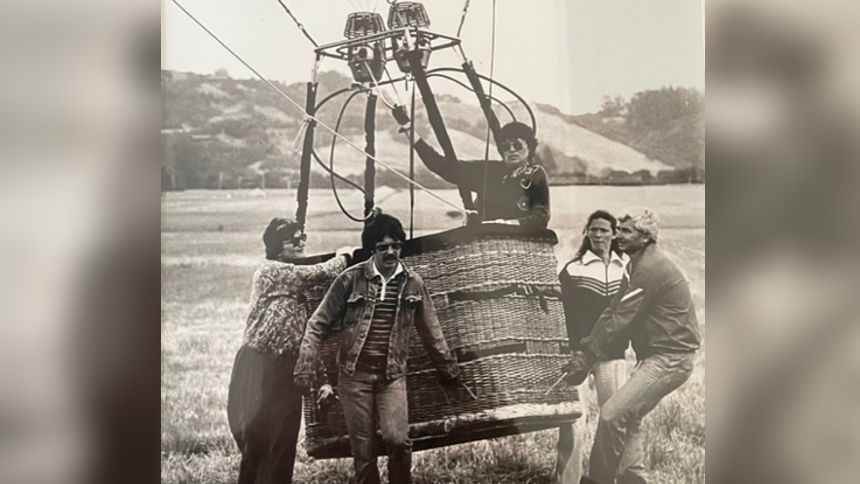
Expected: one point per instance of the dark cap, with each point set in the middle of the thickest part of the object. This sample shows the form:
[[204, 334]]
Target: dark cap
[[516, 129], [279, 230]]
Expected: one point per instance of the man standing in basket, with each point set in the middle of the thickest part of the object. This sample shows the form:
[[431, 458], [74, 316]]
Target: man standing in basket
[[654, 308], [374, 304]]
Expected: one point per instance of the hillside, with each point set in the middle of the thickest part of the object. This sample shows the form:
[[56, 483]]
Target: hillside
[[666, 124], [223, 132]]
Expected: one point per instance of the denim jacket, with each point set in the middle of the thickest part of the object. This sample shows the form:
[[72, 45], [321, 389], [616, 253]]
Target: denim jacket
[[347, 308]]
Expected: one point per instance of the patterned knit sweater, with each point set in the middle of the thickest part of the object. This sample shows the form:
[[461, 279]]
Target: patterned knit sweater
[[279, 309]]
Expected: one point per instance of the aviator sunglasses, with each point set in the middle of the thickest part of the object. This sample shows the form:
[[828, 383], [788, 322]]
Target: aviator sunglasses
[[299, 238], [508, 144]]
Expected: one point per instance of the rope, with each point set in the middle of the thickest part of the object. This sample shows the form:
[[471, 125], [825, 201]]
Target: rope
[[376, 86], [331, 163], [378, 89], [300, 134], [393, 85], [314, 118], [316, 156], [349, 182], [490, 93], [298, 24], [463, 16]]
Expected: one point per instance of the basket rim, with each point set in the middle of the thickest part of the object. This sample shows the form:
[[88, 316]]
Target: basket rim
[[447, 238]]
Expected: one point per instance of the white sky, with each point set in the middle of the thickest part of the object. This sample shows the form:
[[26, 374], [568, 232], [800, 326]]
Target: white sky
[[569, 53]]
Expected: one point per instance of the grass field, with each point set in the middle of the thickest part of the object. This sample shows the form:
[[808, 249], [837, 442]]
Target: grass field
[[210, 247]]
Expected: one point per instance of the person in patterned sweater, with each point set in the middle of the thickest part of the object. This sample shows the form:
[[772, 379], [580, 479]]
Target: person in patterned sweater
[[588, 283], [264, 407]]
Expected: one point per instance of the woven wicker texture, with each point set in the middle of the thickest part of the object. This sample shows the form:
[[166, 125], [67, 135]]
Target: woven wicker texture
[[489, 261], [497, 302]]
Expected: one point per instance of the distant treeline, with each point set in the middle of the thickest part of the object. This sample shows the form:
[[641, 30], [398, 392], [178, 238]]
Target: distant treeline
[[273, 179], [225, 133], [666, 124]]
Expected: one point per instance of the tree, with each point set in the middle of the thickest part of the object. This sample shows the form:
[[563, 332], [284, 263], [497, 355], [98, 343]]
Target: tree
[[643, 175], [655, 109], [613, 106]]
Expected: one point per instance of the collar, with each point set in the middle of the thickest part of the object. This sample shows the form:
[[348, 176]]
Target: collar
[[521, 171], [371, 271], [588, 257], [636, 257]]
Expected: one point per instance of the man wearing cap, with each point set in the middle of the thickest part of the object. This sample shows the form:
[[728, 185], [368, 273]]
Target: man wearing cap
[[514, 191], [654, 309]]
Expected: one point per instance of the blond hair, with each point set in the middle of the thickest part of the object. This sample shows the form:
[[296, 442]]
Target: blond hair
[[644, 220]]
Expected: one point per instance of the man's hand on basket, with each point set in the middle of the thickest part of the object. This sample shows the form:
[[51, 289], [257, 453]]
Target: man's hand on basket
[[326, 397], [578, 367], [453, 382], [303, 381], [449, 381]]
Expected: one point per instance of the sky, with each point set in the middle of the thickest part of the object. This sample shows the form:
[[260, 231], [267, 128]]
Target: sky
[[568, 53]]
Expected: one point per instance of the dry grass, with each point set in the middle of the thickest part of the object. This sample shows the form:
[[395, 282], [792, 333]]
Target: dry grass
[[210, 246]]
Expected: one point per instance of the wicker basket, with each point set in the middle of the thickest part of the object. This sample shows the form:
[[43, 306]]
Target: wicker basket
[[497, 297]]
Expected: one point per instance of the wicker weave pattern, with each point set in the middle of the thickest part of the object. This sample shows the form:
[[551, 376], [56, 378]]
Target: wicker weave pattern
[[483, 322], [510, 347], [485, 261]]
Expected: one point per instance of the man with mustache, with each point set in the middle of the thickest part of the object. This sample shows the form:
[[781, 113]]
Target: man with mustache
[[374, 306]]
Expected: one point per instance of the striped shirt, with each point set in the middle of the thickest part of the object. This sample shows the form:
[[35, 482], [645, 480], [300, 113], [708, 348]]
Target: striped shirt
[[374, 354]]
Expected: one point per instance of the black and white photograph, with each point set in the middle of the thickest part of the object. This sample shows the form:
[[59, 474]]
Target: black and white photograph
[[427, 241]]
